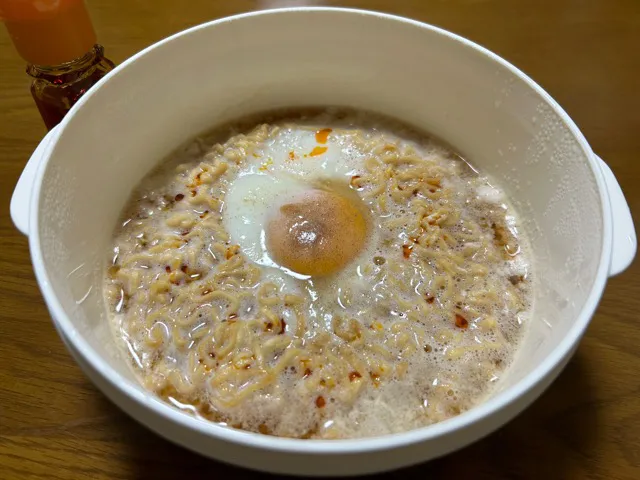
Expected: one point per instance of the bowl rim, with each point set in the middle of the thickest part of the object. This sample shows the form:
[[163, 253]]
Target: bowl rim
[[486, 409]]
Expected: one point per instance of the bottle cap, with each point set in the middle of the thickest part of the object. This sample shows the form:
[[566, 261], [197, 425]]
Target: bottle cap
[[48, 32]]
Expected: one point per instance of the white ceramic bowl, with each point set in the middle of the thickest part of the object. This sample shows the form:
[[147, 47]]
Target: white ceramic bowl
[[76, 183]]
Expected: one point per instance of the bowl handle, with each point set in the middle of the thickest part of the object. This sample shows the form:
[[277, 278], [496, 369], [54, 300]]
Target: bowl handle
[[625, 243], [21, 198]]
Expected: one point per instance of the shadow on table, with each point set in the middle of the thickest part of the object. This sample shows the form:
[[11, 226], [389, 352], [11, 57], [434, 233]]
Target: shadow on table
[[552, 439]]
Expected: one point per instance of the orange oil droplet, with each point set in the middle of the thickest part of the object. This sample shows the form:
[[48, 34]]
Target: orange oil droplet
[[318, 151], [322, 135]]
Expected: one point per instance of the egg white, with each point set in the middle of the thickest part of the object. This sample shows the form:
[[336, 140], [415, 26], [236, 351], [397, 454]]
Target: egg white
[[341, 158], [249, 202]]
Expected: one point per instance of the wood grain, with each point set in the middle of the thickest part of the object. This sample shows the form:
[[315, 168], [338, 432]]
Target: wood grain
[[55, 425]]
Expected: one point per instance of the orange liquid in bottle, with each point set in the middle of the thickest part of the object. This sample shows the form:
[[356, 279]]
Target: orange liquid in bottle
[[57, 39]]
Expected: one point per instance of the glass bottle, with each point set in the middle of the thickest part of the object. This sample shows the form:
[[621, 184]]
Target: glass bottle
[[56, 89], [57, 39]]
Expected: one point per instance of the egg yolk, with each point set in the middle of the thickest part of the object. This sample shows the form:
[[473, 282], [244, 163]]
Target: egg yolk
[[318, 233]]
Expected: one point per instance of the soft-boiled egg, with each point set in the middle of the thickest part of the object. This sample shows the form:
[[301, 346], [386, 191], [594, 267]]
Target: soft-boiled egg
[[291, 207]]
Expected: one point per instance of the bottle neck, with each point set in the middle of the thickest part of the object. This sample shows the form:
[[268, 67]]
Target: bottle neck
[[68, 71]]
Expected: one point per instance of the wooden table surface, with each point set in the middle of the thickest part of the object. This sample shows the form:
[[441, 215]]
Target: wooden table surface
[[55, 424]]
